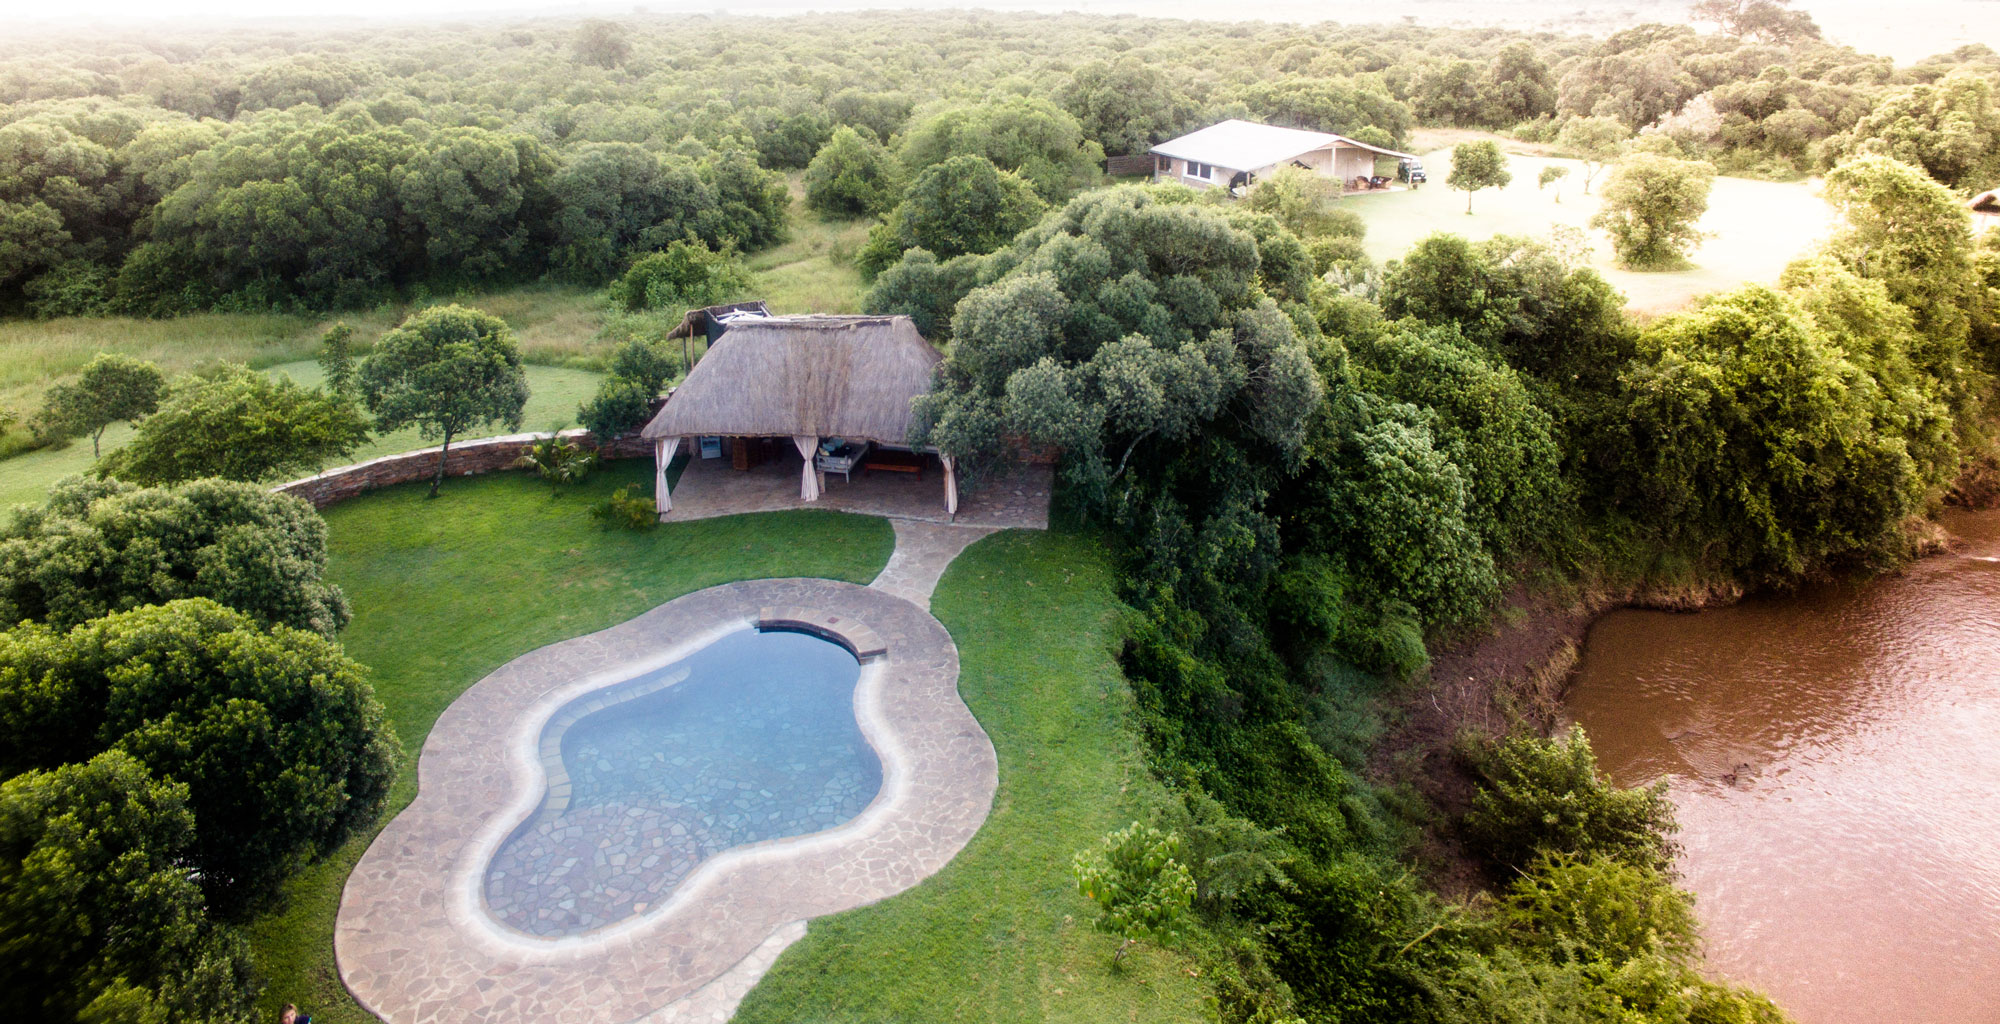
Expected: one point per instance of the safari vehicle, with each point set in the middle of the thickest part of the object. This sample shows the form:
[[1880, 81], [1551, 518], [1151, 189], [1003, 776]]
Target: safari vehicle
[[1412, 171]]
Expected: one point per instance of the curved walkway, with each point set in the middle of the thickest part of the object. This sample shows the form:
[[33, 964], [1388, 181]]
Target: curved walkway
[[414, 943]]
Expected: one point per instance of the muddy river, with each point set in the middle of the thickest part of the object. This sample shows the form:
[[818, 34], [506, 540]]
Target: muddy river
[[1835, 759]]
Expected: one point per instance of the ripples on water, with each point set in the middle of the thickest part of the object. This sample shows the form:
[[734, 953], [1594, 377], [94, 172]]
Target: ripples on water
[[1834, 757]]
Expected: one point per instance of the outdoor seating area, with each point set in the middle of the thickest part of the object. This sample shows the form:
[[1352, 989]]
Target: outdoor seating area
[[1018, 497]]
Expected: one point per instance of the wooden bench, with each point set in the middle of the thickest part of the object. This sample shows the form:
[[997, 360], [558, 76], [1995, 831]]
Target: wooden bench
[[894, 462]]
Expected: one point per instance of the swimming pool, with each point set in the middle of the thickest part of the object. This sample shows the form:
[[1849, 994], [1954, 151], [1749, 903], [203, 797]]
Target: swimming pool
[[749, 739]]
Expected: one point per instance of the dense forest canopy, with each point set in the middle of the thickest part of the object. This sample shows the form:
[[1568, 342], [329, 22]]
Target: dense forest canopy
[[281, 168]]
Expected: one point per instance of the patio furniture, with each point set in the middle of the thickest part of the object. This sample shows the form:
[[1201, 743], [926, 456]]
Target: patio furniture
[[895, 462], [842, 458]]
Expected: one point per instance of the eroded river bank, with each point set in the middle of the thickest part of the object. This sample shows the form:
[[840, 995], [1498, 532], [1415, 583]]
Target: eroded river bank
[[1834, 757]]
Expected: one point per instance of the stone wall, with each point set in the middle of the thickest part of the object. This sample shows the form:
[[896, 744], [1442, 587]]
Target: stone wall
[[468, 458]]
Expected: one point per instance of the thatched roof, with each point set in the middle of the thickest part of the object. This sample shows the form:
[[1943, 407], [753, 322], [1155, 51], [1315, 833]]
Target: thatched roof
[[828, 376], [696, 321]]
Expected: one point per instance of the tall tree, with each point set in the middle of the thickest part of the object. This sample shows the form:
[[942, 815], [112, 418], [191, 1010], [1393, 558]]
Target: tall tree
[[447, 370], [1478, 165], [1652, 206], [963, 205]]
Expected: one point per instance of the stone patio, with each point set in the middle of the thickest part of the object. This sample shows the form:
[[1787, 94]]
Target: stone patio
[[415, 944], [710, 487]]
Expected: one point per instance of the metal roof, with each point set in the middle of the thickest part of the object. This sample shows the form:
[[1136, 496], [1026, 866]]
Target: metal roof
[[1247, 145]]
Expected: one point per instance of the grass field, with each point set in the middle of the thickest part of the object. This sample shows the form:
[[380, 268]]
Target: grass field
[[1756, 227], [554, 394], [1001, 933], [446, 591]]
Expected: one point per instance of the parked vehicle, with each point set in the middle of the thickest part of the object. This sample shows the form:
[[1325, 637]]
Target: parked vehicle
[[1412, 171]]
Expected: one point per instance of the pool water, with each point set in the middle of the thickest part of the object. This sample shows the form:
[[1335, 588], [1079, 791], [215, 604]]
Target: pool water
[[749, 739]]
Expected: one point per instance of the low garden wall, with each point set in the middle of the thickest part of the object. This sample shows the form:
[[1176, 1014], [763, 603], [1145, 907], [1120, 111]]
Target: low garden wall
[[468, 458]]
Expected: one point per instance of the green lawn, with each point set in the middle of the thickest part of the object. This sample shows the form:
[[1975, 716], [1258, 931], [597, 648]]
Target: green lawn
[[445, 591], [1001, 934], [1756, 227], [554, 393]]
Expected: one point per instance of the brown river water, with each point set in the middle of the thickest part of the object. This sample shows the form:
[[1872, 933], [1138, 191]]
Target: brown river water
[[1834, 757]]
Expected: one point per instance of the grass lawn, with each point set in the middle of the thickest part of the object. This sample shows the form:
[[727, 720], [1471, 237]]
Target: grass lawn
[[1756, 227], [446, 591], [1001, 933], [554, 393]]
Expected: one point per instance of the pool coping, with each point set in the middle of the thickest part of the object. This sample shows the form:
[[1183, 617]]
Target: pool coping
[[414, 942]]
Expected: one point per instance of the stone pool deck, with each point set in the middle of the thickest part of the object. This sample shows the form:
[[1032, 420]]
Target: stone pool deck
[[415, 944]]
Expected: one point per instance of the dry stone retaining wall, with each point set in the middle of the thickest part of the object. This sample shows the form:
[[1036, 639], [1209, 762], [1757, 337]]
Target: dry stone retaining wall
[[468, 458]]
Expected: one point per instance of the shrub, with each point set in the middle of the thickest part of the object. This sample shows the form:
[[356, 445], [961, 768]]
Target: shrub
[[620, 405], [239, 424], [1141, 890], [274, 732], [685, 275], [649, 364], [77, 288], [558, 459], [1600, 909], [97, 547], [1539, 796], [629, 510], [97, 912], [852, 176]]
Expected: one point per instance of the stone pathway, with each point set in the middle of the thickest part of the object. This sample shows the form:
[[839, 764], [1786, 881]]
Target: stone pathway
[[923, 552]]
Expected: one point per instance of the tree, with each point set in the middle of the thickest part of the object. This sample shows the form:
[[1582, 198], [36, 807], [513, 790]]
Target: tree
[[620, 405], [925, 290], [1539, 796], [687, 274], [1518, 87], [96, 907], [1301, 201], [1950, 128], [1652, 206], [98, 547], [1126, 105], [1553, 175], [852, 176], [274, 732], [650, 364], [336, 360], [476, 201], [111, 389], [602, 43], [239, 424], [1770, 20], [963, 205], [1477, 165], [1141, 889], [1595, 141], [1029, 136], [447, 370], [613, 198]]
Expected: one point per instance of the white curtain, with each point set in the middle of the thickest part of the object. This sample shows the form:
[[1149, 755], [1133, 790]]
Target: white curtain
[[809, 480], [950, 484], [663, 456]]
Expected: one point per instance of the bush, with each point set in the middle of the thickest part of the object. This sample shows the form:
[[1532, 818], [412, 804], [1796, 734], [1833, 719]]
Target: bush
[[852, 176], [1539, 796], [687, 274], [1600, 909], [1141, 890], [648, 364], [99, 920], [97, 547], [557, 459], [274, 732], [239, 424], [619, 407], [629, 510], [77, 288]]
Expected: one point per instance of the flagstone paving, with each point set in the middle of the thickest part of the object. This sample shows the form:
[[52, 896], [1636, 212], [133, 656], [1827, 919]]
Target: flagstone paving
[[415, 942]]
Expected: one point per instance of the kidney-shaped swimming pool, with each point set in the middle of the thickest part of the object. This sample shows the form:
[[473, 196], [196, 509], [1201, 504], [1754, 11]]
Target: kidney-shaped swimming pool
[[751, 738]]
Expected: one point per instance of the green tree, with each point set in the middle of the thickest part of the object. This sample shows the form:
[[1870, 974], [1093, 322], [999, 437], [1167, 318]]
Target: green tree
[[1950, 128], [852, 176], [1553, 175], [1913, 235], [336, 360], [447, 370], [476, 201], [239, 424], [1770, 20], [1126, 105], [96, 907], [1537, 796], [687, 274], [1029, 136], [1519, 86], [98, 547], [1141, 889], [925, 290], [620, 405], [1477, 165], [1303, 202], [602, 43], [111, 389], [963, 205], [613, 198], [650, 364], [274, 731], [1595, 141], [1651, 207]]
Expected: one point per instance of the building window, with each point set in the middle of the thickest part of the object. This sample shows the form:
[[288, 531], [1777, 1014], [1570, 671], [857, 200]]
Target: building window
[[1205, 172]]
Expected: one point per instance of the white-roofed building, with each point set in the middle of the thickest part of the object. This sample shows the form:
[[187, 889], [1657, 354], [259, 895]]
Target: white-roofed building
[[1236, 153]]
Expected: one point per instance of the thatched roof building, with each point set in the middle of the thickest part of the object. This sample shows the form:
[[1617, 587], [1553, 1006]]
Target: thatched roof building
[[804, 377]]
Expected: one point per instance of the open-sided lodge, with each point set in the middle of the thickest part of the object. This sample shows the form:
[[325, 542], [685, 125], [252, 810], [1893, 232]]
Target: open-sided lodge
[[1234, 153], [832, 392]]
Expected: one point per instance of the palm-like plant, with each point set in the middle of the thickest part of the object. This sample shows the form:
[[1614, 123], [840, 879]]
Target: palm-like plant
[[558, 459]]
